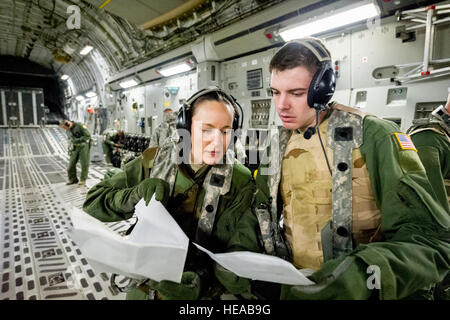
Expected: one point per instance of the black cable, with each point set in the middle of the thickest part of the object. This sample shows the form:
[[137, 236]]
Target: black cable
[[321, 143]]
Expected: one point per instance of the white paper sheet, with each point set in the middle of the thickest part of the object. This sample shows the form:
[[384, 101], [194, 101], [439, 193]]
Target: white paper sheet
[[156, 248], [261, 267]]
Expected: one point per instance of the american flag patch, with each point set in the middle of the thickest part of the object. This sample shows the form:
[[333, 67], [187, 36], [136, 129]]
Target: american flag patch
[[405, 141]]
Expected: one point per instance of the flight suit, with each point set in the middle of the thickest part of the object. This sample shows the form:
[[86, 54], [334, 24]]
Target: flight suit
[[110, 140], [412, 251], [433, 145], [432, 141], [79, 149], [114, 199]]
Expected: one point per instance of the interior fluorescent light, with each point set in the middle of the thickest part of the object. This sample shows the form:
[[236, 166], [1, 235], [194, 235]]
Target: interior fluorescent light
[[330, 22], [86, 50], [90, 94], [64, 77], [178, 68], [128, 83], [79, 97]]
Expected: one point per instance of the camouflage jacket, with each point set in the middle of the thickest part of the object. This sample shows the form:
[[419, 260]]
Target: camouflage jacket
[[164, 131]]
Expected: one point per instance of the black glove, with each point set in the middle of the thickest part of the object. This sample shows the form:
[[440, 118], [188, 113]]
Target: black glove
[[151, 186]]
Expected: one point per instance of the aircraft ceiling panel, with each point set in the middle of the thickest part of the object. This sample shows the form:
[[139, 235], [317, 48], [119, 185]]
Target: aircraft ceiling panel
[[138, 11]]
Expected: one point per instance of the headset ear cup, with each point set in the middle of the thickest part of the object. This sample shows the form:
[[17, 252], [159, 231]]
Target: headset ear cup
[[184, 118], [236, 120], [311, 90], [325, 87], [322, 87], [180, 119]]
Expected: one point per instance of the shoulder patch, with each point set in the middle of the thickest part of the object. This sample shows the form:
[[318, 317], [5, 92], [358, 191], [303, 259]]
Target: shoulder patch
[[405, 141], [84, 126]]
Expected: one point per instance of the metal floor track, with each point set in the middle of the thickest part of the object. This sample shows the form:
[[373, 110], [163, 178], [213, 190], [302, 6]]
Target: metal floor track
[[37, 259]]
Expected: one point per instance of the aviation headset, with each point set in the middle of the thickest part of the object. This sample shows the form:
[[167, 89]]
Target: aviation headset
[[323, 83], [184, 119]]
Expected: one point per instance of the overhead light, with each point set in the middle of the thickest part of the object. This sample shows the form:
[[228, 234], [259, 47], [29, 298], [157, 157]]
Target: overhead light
[[90, 94], [178, 68], [86, 50], [64, 77], [128, 83], [347, 16], [79, 97]]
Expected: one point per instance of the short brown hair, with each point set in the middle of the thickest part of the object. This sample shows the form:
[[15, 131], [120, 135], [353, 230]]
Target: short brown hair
[[294, 54]]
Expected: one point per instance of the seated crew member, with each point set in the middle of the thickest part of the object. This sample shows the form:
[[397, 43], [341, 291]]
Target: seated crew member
[[349, 191], [431, 137], [206, 193]]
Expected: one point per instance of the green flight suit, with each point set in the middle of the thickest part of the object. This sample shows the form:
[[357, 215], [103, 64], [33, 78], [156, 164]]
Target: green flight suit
[[110, 140], [79, 149], [433, 144], [415, 251], [114, 199]]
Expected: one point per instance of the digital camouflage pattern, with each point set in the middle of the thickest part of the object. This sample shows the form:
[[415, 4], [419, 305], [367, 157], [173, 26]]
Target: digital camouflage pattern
[[165, 131], [216, 184], [344, 135], [272, 237], [164, 165]]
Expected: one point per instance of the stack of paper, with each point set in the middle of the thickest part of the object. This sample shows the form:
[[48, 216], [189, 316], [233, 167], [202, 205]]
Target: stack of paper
[[157, 249]]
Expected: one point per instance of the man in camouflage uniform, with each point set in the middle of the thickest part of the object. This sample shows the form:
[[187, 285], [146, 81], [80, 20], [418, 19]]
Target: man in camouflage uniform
[[431, 137], [165, 130], [207, 200], [79, 149], [351, 202]]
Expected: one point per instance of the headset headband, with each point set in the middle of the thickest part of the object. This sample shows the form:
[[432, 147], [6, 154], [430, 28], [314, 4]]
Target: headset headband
[[316, 47], [236, 106], [207, 90]]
